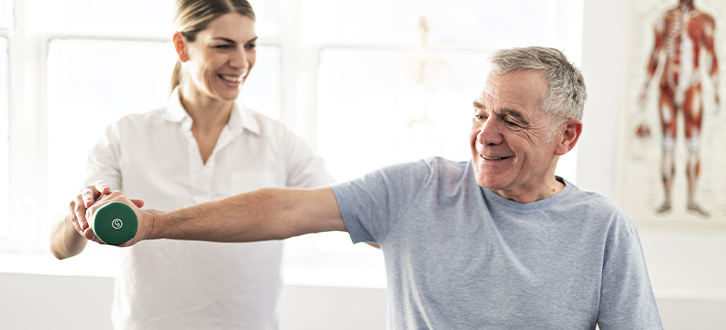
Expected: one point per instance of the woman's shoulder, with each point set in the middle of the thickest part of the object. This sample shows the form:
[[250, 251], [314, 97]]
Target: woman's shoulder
[[141, 119], [260, 118], [264, 125]]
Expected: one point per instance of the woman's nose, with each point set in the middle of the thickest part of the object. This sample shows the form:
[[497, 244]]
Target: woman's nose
[[239, 59]]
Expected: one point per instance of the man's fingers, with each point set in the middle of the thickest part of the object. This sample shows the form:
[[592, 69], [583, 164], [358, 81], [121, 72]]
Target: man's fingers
[[138, 202], [89, 235]]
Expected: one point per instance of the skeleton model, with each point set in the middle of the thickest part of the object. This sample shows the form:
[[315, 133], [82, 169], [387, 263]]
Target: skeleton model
[[681, 33]]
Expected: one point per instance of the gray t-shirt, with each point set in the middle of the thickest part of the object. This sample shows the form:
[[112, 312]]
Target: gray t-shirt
[[459, 256]]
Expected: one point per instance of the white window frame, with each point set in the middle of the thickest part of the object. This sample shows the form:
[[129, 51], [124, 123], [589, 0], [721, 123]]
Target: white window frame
[[5, 213]]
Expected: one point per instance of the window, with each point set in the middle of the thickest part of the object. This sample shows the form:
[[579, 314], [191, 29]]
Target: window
[[404, 72], [4, 141], [6, 13], [395, 106], [419, 66], [6, 9], [77, 66], [91, 83]]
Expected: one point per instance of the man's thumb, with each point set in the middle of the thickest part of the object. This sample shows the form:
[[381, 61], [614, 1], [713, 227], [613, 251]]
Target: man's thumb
[[139, 203]]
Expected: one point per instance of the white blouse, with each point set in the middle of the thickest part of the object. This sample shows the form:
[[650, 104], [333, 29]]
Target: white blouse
[[173, 284]]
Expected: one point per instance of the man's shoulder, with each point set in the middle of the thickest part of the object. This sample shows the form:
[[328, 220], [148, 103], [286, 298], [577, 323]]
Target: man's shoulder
[[445, 171], [599, 211], [447, 167], [433, 172]]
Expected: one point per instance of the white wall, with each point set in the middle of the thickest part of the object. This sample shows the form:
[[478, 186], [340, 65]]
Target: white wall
[[688, 267], [38, 302]]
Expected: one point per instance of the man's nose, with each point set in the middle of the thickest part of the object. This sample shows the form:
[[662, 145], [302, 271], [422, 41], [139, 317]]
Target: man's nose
[[490, 133]]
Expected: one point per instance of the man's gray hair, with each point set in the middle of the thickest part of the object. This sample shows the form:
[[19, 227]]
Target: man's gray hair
[[566, 94]]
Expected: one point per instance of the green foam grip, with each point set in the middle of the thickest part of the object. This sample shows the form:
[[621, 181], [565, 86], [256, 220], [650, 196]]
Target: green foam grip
[[115, 223]]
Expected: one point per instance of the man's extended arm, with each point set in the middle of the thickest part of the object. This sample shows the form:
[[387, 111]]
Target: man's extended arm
[[265, 214]]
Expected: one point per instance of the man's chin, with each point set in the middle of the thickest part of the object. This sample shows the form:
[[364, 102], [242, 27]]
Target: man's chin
[[488, 184]]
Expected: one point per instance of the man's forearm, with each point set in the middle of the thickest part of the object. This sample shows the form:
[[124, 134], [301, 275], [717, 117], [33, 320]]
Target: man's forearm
[[263, 214]]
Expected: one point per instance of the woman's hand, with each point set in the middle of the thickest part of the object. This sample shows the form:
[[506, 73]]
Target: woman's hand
[[85, 198], [145, 219]]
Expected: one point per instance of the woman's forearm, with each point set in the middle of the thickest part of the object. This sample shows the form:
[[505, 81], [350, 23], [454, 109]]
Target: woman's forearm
[[65, 242]]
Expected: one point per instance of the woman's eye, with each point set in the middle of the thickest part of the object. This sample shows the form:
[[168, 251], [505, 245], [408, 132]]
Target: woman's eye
[[222, 46], [251, 46]]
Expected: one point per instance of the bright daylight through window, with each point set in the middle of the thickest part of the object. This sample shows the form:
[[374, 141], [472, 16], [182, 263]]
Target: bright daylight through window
[[367, 84]]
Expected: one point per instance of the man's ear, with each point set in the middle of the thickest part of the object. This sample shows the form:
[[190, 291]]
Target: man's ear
[[180, 43], [569, 137]]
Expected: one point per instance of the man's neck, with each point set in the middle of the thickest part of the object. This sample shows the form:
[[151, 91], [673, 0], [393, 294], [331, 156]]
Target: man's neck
[[531, 194]]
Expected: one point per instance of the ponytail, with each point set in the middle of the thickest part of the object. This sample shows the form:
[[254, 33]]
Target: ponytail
[[175, 77]]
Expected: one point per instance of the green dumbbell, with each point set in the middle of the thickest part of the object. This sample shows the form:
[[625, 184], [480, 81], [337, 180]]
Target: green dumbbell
[[114, 223]]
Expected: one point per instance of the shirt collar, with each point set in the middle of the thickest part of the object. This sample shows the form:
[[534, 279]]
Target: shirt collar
[[240, 118]]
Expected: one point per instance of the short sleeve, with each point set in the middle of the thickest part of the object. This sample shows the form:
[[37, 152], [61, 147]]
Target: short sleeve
[[371, 205], [626, 297], [104, 160], [305, 169]]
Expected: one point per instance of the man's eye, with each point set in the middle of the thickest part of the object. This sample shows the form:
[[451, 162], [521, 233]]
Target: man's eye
[[222, 46], [251, 46]]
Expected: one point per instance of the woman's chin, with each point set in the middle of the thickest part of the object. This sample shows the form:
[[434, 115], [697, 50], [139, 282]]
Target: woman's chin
[[229, 95]]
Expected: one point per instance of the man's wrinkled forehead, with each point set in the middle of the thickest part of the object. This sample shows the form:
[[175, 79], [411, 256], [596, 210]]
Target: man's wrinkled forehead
[[491, 85], [493, 89]]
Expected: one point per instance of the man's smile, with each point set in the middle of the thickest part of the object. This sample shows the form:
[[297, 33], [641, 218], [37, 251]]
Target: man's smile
[[493, 158]]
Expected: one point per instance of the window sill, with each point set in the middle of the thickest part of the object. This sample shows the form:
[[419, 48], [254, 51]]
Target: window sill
[[105, 264], [47, 264]]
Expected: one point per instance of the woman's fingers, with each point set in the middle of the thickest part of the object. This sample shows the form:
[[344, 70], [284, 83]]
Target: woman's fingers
[[72, 215], [106, 199], [102, 187], [91, 193], [78, 207], [79, 212], [88, 195]]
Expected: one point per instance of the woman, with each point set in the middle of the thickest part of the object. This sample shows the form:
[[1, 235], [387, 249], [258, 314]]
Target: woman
[[201, 146]]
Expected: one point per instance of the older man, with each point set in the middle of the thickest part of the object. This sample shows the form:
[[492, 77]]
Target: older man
[[498, 242]]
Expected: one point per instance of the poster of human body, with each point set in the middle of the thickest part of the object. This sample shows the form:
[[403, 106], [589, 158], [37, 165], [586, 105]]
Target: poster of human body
[[673, 135]]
